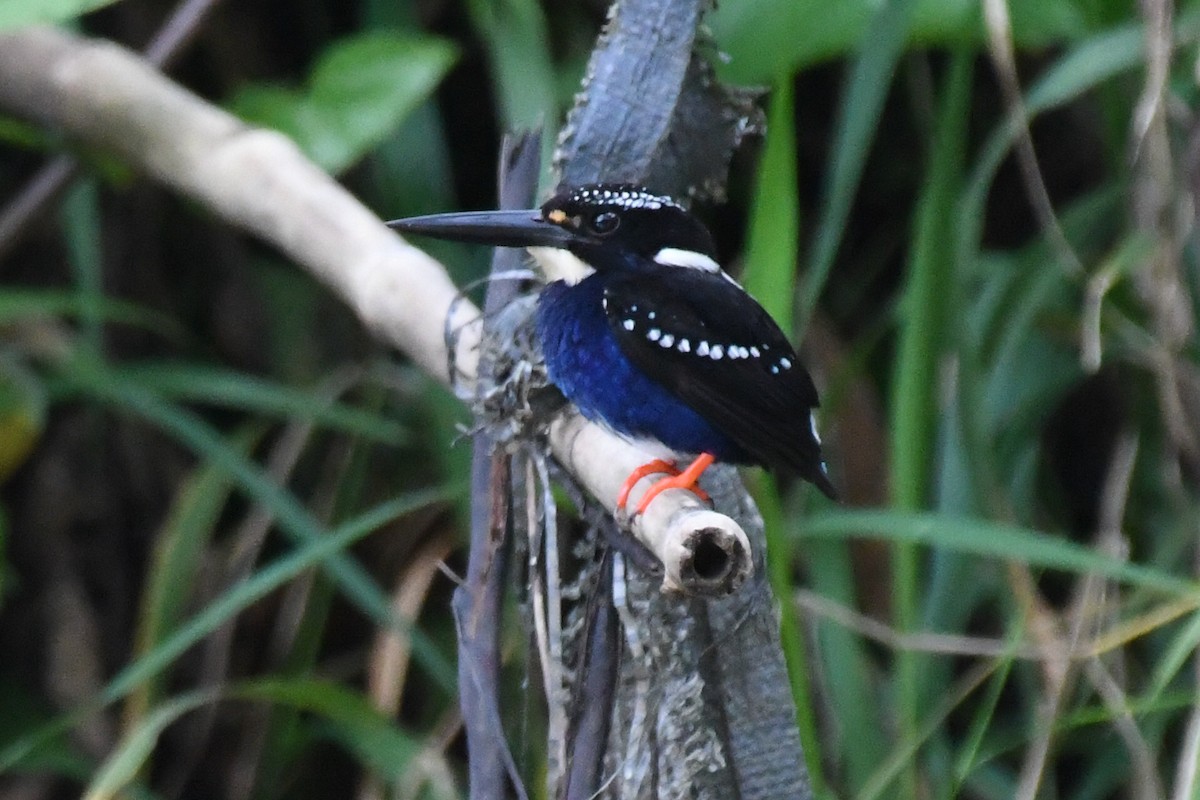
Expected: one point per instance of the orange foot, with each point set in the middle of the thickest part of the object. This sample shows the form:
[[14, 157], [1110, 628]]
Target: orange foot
[[677, 480], [656, 467]]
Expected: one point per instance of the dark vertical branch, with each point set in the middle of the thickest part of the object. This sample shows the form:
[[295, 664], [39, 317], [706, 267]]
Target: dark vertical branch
[[596, 691], [477, 603]]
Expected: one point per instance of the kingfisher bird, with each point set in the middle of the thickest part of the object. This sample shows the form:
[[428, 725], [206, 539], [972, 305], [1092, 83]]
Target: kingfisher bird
[[657, 342]]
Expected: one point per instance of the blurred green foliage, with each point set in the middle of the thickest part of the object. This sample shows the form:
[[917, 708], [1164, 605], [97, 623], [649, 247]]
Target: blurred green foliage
[[213, 485], [359, 91]]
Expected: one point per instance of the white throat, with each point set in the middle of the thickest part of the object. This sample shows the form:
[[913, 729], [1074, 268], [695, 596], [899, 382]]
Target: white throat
[[559, 264]]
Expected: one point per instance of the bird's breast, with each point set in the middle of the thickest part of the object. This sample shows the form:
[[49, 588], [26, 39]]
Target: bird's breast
[[584, 360]]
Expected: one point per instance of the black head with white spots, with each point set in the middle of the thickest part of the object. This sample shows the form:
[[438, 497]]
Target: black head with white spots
[[609, 222]]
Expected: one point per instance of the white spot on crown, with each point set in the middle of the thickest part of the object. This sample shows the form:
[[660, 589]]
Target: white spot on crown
[[624, 196]]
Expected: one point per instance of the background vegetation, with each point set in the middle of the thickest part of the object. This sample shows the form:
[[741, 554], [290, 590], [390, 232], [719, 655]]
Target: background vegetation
[[1001, 316]]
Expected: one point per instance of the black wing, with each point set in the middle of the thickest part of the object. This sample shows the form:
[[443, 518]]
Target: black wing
[[714, 347]]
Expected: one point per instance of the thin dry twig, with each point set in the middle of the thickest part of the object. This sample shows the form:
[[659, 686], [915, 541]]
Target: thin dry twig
[[49, 182], [1088, 608], [387, 666], [1000, 47]]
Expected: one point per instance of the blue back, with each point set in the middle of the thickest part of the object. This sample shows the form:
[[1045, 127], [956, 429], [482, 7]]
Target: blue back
[[584, 360]]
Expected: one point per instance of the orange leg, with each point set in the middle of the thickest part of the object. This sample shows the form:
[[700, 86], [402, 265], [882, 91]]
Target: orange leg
[[680, 480], [658, 466]]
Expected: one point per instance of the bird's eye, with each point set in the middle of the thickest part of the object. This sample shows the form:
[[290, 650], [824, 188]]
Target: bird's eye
[[605, 222]]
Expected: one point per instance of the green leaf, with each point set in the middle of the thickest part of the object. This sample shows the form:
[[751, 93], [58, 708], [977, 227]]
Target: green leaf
[[766, 38], [359, 91], [518, 46], [22, 13]]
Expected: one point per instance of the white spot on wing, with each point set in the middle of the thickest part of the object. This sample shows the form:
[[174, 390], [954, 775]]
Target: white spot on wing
[[684, 346], [627, 324], [786, 363], [653, 334], [812, 423], [702, 350], [717, 352], [666, 341]]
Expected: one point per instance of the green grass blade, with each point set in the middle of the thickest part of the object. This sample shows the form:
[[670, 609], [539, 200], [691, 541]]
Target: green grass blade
[[849, 672], [178, 549], [984, 716], [131, 754], [770, 276], [1172, 660], [352, 720], [23, 304], [780, 564], [523, 72], [915, 408], [858, 117], [774, 226], [305, 557], [294, 520], [993, 540], [313, 553], [220, 387], [81, 221]]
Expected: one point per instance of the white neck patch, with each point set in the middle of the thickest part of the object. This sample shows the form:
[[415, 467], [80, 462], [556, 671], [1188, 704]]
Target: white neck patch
[[690, 259], [560, 265]]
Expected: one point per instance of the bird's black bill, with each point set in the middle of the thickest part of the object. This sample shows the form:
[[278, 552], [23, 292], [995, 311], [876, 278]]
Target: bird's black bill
[[524, 228]]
